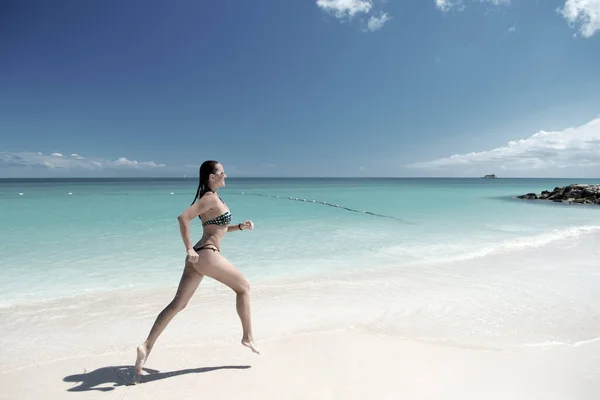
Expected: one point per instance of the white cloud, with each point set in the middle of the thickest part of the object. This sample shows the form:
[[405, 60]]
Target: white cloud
[[585, 13], [511, 29], [122, 161], [376, 23], [573, 147], [57, 160], [345, 8], [348, 9], [447, 5]]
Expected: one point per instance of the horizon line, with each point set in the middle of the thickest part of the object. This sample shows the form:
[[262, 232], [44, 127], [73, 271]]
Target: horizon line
[[290, 177]]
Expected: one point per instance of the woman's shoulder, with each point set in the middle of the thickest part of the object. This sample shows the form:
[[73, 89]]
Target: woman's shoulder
[[208, 198]]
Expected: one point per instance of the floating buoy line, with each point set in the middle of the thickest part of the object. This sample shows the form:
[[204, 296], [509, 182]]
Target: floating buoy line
[[325, 204], [321, 202]]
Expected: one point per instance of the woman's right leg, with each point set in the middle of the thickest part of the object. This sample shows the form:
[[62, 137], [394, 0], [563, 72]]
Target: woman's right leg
[[220, 269], [187, 286]]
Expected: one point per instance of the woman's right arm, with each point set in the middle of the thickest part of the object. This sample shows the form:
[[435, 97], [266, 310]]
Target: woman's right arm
[[199, 207]]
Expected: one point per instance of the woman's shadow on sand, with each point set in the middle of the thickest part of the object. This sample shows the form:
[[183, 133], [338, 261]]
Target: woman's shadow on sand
[[126, 375]]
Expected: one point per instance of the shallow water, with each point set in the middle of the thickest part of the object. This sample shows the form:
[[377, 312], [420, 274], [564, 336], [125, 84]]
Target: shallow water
[[85, 236]]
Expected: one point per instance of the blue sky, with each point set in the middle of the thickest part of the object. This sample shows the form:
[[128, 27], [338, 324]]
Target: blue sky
[[300, 88]]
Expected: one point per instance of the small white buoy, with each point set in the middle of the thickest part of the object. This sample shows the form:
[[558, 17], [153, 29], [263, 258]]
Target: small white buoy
[[20, 194], [172, 193], [70, 193]]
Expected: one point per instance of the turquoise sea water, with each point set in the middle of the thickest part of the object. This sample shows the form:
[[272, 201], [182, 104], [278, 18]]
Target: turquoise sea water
[[75, 236]]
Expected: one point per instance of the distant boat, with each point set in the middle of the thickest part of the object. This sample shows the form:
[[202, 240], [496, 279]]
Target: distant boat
[[492, 176]]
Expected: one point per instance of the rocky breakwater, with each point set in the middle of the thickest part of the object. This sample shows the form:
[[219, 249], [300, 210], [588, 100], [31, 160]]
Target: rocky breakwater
[[575, 193]]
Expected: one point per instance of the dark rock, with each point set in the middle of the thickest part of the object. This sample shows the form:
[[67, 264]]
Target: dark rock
[[555, 196], [528, 196], [575, 193]]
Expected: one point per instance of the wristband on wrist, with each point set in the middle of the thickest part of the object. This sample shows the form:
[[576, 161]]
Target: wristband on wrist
[[240, 226]]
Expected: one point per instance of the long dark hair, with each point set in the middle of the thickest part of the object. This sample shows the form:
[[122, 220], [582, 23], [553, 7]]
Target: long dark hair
[[207, 168]]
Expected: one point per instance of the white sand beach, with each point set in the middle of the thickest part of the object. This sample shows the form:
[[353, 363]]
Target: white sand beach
[[388, 335], [334, 365]]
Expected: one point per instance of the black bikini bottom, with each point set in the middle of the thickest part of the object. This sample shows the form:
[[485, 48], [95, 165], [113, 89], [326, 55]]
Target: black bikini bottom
[[206, 247]]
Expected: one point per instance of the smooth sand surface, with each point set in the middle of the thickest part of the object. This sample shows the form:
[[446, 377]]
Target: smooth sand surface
[[428, 333], [328, 365]]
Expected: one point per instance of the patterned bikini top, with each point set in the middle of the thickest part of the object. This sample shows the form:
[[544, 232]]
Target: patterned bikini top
[[223, 219]]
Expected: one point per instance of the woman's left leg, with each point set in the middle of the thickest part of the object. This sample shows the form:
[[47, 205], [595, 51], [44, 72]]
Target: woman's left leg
[[187, 286]]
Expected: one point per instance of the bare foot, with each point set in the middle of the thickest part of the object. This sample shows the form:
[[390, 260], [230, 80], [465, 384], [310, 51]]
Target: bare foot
[[142, 354], [250, 343]]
